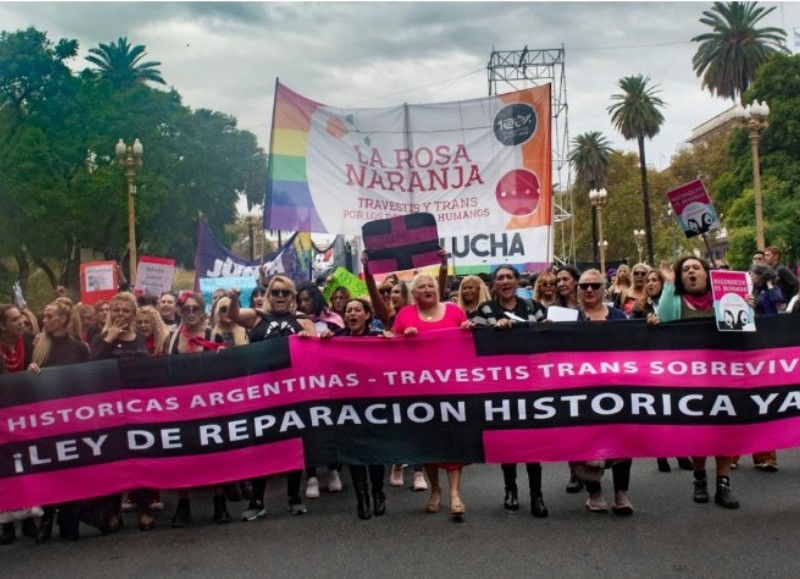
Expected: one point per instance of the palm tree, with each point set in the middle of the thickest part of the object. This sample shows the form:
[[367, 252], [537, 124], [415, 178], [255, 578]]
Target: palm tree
[[728, 58], [589, 159], [120, 63], [636, 116]]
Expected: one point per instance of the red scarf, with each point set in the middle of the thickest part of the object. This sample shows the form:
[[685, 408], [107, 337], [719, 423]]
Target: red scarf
[[198, 344], [15, 357], [701, 303]]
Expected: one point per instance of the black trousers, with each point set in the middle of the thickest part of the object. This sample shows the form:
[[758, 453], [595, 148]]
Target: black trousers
[[293, 480], [376, 474], [534, 476]]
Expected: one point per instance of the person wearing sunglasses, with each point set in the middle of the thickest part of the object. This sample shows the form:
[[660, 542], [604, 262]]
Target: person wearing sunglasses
[[544, 289], [502, 312], [627, 299], [591, 292], [193, 336], [687, 295], [279, 318]]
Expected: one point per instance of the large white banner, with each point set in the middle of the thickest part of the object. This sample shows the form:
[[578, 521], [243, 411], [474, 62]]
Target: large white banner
[[482, 167]]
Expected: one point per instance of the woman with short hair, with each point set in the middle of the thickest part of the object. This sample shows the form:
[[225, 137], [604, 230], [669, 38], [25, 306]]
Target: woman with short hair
[[427, 314], [502, 312]]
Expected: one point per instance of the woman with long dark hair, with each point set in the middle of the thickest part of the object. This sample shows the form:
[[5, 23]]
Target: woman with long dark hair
[[687, 295], [16, 349], [194, 336], [357, 321]]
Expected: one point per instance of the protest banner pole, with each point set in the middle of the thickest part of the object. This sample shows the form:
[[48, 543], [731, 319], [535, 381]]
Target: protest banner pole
[[708, 249]]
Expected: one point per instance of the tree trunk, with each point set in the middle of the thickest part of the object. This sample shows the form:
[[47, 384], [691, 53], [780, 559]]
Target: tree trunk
[[646, 199], [23, 268], [595, 258]]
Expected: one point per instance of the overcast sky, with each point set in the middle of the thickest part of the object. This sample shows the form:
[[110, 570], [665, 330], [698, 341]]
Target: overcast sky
[[226, 56]]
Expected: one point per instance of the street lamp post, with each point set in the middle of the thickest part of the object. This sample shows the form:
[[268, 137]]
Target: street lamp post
[[598, 200], [638, 236], [755, 119], [129, 157]]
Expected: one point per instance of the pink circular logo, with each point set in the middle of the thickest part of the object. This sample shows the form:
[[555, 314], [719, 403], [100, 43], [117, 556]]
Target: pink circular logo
[[518, 192]]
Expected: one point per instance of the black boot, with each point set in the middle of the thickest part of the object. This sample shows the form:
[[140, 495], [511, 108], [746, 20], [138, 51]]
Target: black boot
[[685, 463], [663, 465], [538, 508], [724, 497], [46, 526], [9, 534], [362, 496], [511, 502], [379, 503], [221, 515], [700, 487], [182, 515], [575, 485]]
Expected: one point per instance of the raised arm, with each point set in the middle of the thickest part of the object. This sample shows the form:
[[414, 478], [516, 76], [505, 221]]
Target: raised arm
[[245, 317], [381, 311]]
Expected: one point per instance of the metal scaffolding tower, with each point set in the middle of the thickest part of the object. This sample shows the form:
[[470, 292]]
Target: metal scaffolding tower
[[512, 70]]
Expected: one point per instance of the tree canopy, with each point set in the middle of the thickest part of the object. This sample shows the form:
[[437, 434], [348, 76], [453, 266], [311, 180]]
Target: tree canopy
[[728, 57], [62, 189]]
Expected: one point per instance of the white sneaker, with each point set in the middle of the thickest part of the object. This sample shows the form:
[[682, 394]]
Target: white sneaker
[[334, 481], [128, 506], [396, 478], [419, 481], [312, 488]]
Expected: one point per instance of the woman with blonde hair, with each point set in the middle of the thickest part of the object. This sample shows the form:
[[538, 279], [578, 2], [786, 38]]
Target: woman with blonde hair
[[56, 347], [544, 290], [428, 314], [472, 292], [279, 318], [119, 339], [225, 330], [154, 330]]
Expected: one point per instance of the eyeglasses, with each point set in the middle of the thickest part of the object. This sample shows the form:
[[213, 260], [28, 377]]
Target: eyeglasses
[[547, 284], [385, 291], [191, 309], [223, 310], [639, 273], [593, 286], [280, 293]]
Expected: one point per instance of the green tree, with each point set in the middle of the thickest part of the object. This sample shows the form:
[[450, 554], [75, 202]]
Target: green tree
[[728, 57], [589, 159], [779, 81], [635, 115], [121, 64]]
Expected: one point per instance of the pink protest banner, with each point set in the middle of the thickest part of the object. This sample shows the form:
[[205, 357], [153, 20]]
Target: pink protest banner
[[549, 392]]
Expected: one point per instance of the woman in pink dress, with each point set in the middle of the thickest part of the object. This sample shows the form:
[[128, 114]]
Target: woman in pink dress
[[428, 314]]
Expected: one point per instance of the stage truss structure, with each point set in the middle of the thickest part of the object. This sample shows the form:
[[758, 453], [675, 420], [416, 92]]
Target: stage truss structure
[[513, 70]]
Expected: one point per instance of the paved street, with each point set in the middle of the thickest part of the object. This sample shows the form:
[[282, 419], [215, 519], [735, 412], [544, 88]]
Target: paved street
[[668, 536]]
